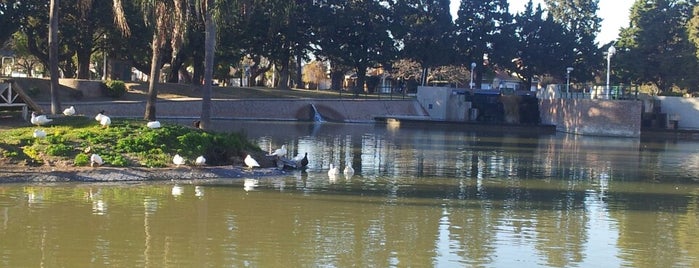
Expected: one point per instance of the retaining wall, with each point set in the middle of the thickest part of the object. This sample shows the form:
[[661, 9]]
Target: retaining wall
[[258, 109], [593, 117]]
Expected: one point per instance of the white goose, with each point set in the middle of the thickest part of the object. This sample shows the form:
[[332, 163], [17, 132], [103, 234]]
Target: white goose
[[333, 171], [106, 121], [279, 152], [96, 159], [69, 111], [251, 162], [39, 119], [39, 134], [349, 171], [200, 161], [99, 116], [153, 124], [178, 160]]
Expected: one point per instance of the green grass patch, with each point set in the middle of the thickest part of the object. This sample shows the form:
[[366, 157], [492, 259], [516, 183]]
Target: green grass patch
[[125, 143]]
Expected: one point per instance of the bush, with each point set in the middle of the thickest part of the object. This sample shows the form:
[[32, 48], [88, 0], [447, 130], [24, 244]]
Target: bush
[[115, 88], [58, 150], [81, 160]]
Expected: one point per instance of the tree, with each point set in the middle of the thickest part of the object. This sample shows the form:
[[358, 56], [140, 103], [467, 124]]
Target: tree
[[579, 18], [480, 31], [314, 73], [53, 56], [208, 9], [656, 43], [359, 36], [167, 18], [424, 28], [542, 45]]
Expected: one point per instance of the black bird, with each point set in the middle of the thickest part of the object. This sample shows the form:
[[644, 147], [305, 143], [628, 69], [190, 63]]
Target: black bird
[[304, 161]]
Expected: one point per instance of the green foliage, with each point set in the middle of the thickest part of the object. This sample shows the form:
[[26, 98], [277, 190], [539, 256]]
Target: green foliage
[[125, 143], [115, 88], [116, 160], [81, 159], [58, 150], [154, 158], [32, 153]]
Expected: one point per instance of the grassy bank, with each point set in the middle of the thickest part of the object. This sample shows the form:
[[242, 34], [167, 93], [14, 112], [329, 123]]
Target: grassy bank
[[70, 141]]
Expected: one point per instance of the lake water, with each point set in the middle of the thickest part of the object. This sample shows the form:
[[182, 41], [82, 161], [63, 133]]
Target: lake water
[[420, 197]]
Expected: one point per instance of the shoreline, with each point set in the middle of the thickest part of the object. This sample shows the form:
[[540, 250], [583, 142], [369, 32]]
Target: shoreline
[[130, 174]]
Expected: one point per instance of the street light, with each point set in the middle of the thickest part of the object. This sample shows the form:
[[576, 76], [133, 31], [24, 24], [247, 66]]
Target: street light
[[568, 70], [104, 63], [473, 66], [611, 51]]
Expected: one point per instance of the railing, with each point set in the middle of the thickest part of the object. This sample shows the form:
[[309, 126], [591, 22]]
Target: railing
[[595, 92]]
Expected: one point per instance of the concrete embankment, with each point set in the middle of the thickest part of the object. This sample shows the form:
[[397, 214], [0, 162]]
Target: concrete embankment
[[258, 109]]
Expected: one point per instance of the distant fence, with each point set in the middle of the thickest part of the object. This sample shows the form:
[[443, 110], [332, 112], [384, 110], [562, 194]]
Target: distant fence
[[558, 91]]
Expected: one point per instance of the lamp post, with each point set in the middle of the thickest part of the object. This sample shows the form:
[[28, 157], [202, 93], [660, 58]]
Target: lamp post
[[104, 61], [568, 70], [611, 51], [473, 66]]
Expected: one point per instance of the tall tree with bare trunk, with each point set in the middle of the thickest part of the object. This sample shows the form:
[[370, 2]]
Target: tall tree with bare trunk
[[210, 50], [53, 57]]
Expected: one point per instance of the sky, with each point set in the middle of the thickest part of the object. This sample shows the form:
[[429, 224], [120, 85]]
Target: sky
[[614, 15]]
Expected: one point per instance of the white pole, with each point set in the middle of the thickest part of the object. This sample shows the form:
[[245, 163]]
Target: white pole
[[104, 63], [610, 52], [473, 66]]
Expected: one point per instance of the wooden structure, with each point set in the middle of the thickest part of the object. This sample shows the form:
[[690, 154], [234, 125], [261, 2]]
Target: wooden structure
[[12, 96]]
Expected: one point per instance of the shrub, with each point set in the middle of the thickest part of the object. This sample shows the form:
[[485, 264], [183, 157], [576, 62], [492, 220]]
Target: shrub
[[58, 150], [81, 160], [115, 88]]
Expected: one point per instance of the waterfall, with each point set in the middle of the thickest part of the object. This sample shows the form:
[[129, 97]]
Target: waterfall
[[316, 115]]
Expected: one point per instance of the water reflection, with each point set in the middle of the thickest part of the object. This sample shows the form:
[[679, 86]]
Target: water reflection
[[419, 197]]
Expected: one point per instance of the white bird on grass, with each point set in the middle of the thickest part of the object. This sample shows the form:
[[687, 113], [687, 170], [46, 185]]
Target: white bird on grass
[[200, 161], [349, 171], [69, 111], [178, 160], [99, 116], [39, 119], [279, 152], [153, 124], [96, 159], [251, 162], [106, 121], [40, 134]]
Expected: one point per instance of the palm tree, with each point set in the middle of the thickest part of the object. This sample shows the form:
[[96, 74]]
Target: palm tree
[[168, 19], [53, 56], [210, 49]]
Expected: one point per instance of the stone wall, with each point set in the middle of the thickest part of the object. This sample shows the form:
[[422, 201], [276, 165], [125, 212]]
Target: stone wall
[[258, 109], [684, 110], [593, 117]]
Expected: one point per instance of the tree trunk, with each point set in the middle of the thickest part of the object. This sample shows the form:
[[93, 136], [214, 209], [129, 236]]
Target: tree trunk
[[53, 57], [361, 77], [210, 49], [84, 63], [299, 69], [153, 79], [284, 76]]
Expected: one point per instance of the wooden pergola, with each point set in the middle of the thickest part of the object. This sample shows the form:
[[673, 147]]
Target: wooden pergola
[[12, 96]]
